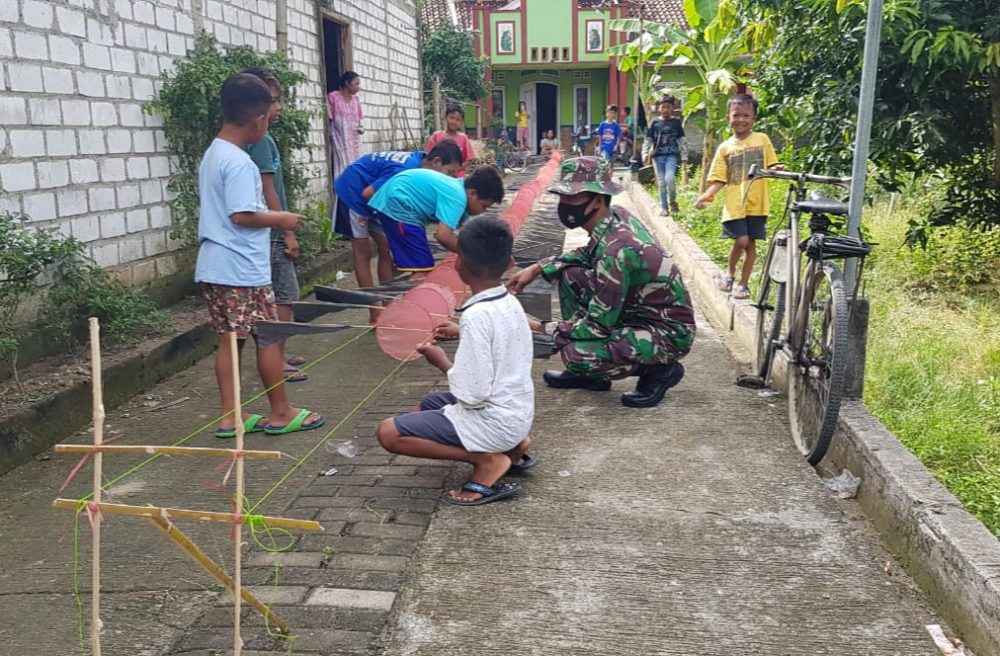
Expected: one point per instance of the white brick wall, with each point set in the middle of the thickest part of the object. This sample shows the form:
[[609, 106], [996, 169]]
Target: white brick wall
[[78, 153]]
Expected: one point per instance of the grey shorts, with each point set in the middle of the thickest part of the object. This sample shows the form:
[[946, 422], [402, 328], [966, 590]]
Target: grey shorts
[[754, 227], [283, 279], [430, 423], [363, 227]]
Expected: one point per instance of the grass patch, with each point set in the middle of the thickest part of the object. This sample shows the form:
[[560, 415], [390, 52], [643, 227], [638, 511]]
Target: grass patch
[[933, 370]]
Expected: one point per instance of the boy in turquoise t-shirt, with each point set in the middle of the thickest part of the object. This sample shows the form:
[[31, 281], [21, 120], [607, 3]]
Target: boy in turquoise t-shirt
[[411, 200]]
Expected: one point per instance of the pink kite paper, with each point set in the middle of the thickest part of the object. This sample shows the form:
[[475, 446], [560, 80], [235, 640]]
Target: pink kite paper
[[401, 328]]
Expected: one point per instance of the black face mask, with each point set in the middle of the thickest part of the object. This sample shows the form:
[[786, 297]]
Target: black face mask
[[574, 216]]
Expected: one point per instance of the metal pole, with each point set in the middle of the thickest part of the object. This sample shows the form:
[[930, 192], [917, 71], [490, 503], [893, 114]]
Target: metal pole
[[859, 170]]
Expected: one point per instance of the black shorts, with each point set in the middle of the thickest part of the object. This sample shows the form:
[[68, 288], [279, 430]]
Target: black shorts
[[754, 227]]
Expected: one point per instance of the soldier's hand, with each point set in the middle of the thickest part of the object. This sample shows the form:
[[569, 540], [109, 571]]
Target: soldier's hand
[[517, 282]]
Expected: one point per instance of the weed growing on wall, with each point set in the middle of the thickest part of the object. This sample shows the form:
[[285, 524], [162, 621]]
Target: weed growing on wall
[[192, 116]]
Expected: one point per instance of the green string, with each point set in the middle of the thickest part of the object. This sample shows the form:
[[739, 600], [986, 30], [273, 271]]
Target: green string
[[81, 628], [211, 423], [301, 461]]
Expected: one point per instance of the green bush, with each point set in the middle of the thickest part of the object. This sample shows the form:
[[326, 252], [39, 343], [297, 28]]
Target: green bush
[[45, 266], [192, 116]]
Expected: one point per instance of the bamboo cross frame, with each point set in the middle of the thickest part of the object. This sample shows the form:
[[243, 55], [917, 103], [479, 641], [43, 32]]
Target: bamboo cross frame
[[163, 518]]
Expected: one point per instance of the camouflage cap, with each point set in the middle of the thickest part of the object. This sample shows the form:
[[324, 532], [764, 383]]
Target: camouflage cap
[[580, 174]]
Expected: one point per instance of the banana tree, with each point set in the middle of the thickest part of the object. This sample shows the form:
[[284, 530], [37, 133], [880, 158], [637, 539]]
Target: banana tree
[[712, 47]]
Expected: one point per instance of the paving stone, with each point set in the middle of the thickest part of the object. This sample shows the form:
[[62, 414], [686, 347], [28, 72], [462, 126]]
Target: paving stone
[[359, 545], [286, 559], [423, 462], [281, 595], [323, 502], [412, 519], [337, 479], [342, 578], [377, 492], [425, 492], [360, 514], [387, 531], [348, 598], [300, 617], [383, 459], [369, 562], [405, 505], [387, 470], [413, 481], [324, 641]]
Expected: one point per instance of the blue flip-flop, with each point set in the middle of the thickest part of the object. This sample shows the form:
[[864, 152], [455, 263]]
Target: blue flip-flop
[[524, 464], [490, 494]]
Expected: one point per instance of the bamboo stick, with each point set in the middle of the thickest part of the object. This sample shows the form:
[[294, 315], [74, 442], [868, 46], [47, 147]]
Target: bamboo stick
[[238, 526], [178, 513], [197, 451], [98, 412], [181, 539]]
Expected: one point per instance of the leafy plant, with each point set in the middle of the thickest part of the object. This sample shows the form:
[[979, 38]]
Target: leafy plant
[[713, 47], [44, 265], [937, 104], [192, 116], [447, 54]]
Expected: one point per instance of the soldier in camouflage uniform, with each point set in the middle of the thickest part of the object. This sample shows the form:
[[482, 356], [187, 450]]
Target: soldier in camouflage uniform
[[625, 309]]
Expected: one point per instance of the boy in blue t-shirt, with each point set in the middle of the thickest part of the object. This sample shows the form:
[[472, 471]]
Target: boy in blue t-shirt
[[410, 200], [608, 133], [233, 265], [356, 185]]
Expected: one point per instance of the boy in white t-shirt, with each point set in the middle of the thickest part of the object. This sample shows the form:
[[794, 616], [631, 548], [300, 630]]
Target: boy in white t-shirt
[[485, 417]]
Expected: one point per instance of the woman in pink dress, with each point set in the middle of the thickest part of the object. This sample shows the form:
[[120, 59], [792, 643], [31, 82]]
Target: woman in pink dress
[[344, 110]]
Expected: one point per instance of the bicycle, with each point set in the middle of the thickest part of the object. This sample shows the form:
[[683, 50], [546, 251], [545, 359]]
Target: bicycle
[[517, 159], [814, 299]]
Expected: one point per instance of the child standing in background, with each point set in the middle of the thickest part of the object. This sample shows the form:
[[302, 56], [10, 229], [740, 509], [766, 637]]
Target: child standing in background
[[454, 120], [522, 117], [608, 133]]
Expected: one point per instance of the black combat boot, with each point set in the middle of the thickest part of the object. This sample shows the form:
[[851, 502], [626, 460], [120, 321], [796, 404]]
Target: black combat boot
[[566, 380], [654, 381]]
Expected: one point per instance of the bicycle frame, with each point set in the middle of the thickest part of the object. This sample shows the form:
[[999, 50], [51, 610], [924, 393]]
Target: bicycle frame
[[796, 194]]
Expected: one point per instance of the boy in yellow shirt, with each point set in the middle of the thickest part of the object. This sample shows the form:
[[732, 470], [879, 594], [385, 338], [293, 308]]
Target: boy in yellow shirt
[[743, 223]]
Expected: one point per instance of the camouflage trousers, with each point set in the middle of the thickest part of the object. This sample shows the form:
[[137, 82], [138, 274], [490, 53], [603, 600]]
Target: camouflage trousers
[[625, 350]]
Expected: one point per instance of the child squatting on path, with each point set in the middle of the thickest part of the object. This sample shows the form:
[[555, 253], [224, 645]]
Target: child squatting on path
[[234, 264], [485, 417], [743, 223]]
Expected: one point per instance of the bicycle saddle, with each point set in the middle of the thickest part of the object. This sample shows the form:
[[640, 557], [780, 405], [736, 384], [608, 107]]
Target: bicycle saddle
[[820, 204]]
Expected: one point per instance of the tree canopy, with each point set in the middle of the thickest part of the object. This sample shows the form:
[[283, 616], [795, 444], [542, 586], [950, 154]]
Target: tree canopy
[[447, 54], [937, 108]]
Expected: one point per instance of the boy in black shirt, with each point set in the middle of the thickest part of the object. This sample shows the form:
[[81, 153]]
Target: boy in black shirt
[[665, 142]]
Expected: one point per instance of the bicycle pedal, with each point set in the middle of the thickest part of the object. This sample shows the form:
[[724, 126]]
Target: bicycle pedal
[[750, 381]]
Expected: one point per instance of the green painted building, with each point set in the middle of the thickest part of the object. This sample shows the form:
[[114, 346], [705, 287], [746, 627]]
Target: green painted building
[[551, 55]]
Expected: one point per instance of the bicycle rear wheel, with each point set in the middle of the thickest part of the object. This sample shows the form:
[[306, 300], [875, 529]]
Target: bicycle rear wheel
[[819, 361]]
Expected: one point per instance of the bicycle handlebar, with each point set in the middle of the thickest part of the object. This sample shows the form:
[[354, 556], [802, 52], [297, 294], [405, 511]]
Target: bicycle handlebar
[[757, 173]]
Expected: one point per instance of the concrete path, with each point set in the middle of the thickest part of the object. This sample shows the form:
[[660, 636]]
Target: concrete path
[[691, 528]]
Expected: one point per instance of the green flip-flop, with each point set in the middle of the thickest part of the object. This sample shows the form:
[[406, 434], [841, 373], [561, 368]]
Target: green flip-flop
[[250, 425], [296, 424]]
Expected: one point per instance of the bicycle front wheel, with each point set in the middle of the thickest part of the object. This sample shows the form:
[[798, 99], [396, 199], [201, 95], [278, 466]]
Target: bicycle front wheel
[[770, 313], [819, 361]]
